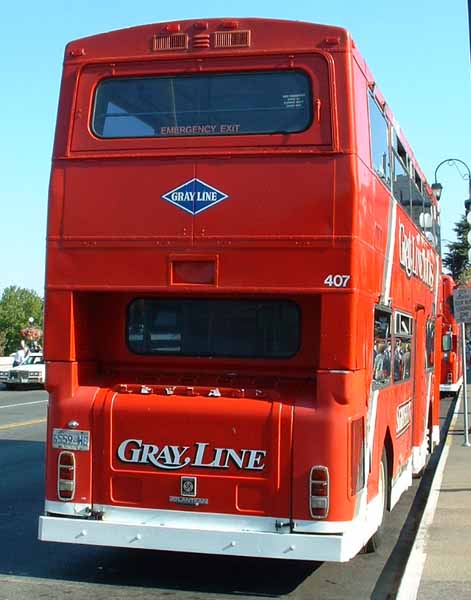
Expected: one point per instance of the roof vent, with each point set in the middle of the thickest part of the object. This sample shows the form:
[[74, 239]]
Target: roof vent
[[232, 39], [201, 40], [174, 41]]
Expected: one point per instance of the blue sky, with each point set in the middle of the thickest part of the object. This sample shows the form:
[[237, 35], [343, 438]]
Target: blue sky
[[418, 51]]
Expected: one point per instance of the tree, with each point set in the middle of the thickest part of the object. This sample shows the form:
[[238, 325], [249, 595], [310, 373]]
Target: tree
[[3, 343], [17, 305], [456, 259]]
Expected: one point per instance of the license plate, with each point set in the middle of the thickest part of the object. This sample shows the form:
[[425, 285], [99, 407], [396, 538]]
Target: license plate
[[71, 439]]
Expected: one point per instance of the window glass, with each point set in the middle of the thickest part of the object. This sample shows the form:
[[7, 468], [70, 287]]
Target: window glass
[[429, 344], [446, 342], [216, 328], [203, 105], [417, 198], [33, 360], [382, 347], [401, 184], [402, 347], [401, 152], [379, 141], [427, 221]]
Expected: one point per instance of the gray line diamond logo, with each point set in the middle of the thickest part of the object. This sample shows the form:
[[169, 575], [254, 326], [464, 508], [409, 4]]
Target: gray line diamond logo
[[194, 196]]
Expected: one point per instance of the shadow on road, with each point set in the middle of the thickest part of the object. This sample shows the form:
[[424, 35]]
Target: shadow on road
[[21, 554]]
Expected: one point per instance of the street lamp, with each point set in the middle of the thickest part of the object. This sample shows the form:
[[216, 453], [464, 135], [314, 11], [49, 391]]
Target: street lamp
[[437, 190], [437, 187]]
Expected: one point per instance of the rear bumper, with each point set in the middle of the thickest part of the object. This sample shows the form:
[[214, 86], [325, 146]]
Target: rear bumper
[[209, 533], [148, 536]]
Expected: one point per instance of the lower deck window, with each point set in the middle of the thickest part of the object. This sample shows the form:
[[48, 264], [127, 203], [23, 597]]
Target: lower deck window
[[216, 328], [403, 331], [382, 347], [429, 344]]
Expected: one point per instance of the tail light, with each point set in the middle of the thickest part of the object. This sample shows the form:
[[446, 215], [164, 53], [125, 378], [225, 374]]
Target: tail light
[[66, 476], [357, 456], [319, 492]]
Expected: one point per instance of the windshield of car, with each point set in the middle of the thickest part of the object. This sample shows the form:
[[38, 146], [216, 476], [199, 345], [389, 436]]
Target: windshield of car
[[34, 360]]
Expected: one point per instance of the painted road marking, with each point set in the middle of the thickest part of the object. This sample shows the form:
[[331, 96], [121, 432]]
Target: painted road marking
[[23, 404], [23, 424]]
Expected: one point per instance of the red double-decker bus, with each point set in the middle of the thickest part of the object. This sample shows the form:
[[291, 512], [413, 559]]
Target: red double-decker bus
[[242, 295], [451, 373]]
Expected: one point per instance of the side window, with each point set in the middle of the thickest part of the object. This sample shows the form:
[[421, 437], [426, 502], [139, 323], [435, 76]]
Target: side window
[[401, 184], [379, 142], [382, 348], [403, 325], [426, 219], [401, 179], [418, 213], [429, 344]]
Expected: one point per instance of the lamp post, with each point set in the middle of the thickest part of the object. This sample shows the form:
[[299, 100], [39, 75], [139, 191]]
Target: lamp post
[[437, 187], [437, 190]]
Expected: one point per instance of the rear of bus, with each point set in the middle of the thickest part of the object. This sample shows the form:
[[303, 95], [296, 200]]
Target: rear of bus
[[201, 372]]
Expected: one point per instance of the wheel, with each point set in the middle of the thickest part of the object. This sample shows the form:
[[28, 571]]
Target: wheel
[[375, 540]]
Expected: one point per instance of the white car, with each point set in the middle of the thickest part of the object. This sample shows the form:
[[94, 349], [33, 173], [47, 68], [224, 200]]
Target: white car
[[6, 363], [31, 372]]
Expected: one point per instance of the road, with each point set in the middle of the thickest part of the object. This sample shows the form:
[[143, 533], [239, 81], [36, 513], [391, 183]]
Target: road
[[30, 570]]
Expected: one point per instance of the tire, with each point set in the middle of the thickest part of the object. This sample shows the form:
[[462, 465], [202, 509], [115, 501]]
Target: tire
[[383, 486]]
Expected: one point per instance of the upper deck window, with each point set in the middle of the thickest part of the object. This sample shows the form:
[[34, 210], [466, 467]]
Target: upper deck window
[[379, 141], [215, 104]]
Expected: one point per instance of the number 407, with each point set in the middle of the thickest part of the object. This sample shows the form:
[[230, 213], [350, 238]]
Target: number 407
[[338, 281]]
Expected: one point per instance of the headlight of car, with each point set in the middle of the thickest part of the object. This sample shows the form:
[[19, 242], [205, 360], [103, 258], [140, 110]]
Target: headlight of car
[[34, 373]]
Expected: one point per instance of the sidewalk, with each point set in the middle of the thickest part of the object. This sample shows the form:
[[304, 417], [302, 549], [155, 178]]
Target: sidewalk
[[441, 558]]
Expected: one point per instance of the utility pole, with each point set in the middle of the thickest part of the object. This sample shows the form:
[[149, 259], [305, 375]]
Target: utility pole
[[469, 24]]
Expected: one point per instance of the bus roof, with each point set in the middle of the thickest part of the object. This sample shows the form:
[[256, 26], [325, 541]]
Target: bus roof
[[265, 34]]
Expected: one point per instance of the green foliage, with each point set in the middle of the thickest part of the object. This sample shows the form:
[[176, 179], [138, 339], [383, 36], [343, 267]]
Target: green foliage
[[3, 343], [465, 277], [456, 259], [17, 305]]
